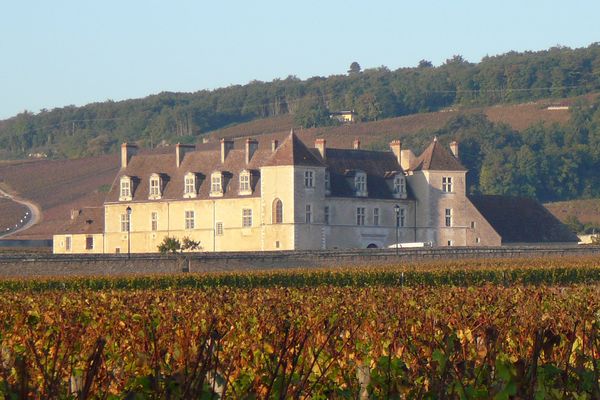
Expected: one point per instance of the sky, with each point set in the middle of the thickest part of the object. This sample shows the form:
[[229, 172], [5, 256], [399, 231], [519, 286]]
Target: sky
[[58, 53]]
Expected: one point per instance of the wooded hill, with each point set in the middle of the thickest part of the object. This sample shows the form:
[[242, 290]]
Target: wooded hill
[[373, 93]]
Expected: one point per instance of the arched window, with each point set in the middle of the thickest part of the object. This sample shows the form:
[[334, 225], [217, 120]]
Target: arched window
[[189, 187], [155, 187], [125, 192], [245, 183], [277, 211]]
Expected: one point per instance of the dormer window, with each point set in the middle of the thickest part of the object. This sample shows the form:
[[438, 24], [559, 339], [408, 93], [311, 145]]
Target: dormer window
[[216, 184], [155, 187], [399, 186], [327, 182], [125, 186], [245, 187], [360, 184], [189, 186]]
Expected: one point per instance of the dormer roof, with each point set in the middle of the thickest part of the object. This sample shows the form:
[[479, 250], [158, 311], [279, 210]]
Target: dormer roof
[[437, 158]]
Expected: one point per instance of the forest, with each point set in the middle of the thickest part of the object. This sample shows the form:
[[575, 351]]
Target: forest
[[374, 94], [546, 162]]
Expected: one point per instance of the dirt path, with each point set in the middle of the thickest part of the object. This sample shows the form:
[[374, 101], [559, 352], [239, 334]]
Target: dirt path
[[33, 209]]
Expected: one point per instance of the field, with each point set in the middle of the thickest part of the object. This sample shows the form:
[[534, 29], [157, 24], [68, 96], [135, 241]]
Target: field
[[586, 211], [10, 213], [57, 186], [472, 329]]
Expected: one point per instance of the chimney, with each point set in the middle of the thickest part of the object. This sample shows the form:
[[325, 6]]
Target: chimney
[[226, 145], [396, 147], [251, 146], [180, 150], [274, 145], [454, 148], [356, 144], [406, 158], [75, 213], [128, 150], [320, 144]]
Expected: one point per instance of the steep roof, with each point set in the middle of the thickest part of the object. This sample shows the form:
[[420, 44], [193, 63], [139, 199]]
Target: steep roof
[[89, 220], [200, 162], [436, 157], [293, 152], [380, 167], [522, 220]]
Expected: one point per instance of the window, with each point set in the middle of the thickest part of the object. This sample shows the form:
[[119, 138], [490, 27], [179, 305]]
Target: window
[[246, 218], [473, 225], [376, 216], [277, 211], [216, 184], [401, 217], [245, 183], [477, 240], [360, 215], [450, 242], [154, 187], [154, 221], [189, 219], [68, 243], [219, 229], [448, 217], [447, 184], [399, 185], [360, 184], [125, 223], [308, 215], [327, 182], [89, 242], [125, 193], [189, 187], [326, 214], [309, 179]]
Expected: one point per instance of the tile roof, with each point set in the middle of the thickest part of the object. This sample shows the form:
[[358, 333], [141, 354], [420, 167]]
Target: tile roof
[[90, 220], [522, 220], [436, 157], [380, 167], [203, 163], [293, 152]]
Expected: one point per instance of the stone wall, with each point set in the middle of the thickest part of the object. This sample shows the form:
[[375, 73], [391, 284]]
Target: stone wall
[[30, 265]]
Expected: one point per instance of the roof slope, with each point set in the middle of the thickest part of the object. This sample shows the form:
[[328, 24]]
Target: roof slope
[[436, 157], [90, 220], [293, 152], [378, 165], [522, 220]]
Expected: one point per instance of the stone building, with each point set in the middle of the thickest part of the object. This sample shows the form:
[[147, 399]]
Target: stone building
[[282, 197]]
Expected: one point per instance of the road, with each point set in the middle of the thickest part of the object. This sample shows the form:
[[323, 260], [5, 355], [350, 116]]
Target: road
[[33, 210]]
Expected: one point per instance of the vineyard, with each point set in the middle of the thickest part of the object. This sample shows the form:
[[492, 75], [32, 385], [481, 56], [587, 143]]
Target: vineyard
[[522, 329]]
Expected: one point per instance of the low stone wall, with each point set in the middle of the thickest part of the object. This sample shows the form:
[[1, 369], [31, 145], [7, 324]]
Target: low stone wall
[[30, 265]]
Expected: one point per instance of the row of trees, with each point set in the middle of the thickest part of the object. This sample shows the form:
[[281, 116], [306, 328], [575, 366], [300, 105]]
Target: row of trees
[[373, 93], [547, 162]]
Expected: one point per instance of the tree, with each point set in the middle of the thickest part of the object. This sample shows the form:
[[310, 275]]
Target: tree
[[425, 64], [174, 245], [354, 68]]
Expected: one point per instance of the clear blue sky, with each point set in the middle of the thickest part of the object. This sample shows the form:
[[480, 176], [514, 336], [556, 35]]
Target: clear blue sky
[[56, 53]]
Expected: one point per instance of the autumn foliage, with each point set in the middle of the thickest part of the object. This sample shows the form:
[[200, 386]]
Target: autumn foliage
[[324, 341]]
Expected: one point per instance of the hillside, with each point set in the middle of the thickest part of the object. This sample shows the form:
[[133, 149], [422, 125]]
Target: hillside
[[586, 211], [375, 94], [57, 186], [518, 116]]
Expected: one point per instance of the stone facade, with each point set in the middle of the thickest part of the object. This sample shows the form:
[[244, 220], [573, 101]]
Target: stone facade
[[283, 197]]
